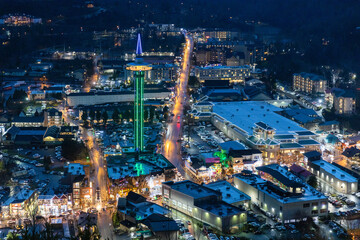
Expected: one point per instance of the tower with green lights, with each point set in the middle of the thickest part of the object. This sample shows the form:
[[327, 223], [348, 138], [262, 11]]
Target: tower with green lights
[[139, 67]]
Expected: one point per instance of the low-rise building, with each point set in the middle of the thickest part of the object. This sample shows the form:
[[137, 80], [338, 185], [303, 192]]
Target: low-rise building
[[230, 194], [94, 98], [28, 121], [309, 83], [203, 204], [332, 178], [281, 194]]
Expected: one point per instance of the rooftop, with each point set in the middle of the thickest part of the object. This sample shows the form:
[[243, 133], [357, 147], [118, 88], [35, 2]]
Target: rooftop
[[335, 171], [234, 145], [230, 194], [246, 113], [282, 175], [192, 189], [76, 169], [311, 76], [220, 208]]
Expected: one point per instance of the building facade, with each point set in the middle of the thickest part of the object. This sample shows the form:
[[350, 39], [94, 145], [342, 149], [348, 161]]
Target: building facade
[[309, 83], [233, 74]]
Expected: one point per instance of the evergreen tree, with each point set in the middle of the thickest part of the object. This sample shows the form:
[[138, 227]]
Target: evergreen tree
[[98, 116], [105, 117], [115, 115], [92, 115]]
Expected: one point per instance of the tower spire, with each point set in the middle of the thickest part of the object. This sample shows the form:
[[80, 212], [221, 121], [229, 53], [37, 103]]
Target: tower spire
[[138, 45]]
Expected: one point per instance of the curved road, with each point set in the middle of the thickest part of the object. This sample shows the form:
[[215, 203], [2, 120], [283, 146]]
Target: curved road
[[172, 148]]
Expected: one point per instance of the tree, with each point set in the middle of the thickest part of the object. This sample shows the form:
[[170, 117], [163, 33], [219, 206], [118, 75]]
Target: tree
[[13, 236], [92, 115], [105, 117], [312, 181], [47, 162], [88, 234], [73, 150], [152, 114], [98, 116], [84, 116], [115, 115], [146, 114]]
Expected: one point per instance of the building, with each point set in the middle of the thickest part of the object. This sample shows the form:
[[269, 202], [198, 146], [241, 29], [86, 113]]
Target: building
[[18, 20], [203, 204], [52, 117], [160, 72], [79, 185], [259, 125], [161, 226], [307, 118], [54, 205], [100, 97], [37, 95], [20, 205], [24, 136], [233, 74], [139, 67], [230, 194], [281, 194], [309, 83], [332, 178], [28, 121], [344, 101]]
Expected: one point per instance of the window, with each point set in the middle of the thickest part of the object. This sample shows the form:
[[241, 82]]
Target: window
[[323, 210], [315, 204], [280, 208], [306, 205], [314, 212]]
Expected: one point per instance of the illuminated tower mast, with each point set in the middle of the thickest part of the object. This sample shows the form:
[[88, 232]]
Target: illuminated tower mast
[[138, 68]]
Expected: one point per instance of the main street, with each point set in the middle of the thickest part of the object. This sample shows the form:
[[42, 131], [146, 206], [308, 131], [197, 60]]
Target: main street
[[172, 146]]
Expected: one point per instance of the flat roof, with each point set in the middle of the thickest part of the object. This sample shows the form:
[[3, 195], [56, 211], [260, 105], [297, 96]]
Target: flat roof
[[234, 145], [245, 114], [220, 208], [290, 145], [335, 171], [192, 189], [230, 194], [308, 142]]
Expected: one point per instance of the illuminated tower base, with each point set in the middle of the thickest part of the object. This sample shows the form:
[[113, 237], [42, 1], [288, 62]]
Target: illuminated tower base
[[139, 110]]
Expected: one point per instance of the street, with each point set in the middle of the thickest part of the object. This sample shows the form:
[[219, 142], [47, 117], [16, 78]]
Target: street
[[171, 145]]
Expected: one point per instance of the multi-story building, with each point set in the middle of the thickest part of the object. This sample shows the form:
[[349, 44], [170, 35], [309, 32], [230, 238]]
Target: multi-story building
[[93, 98], [17, 20], [52, 117], [281, 194], [21, 204], [167, 72], [233, 74], [54, 205], [309, 83], [203, 204], [343, 101]]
